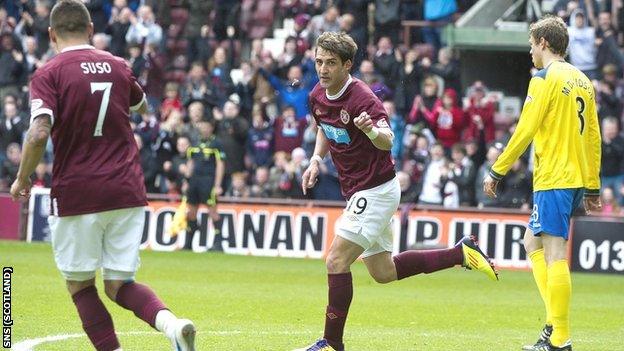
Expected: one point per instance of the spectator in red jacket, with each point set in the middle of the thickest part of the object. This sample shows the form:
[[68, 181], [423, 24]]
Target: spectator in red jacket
[[448, 120], [171, 102], [423, 107], [479, 105]]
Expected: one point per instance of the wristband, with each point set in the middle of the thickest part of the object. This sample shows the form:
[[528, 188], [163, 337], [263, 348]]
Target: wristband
[[372, 134], [316, 158]]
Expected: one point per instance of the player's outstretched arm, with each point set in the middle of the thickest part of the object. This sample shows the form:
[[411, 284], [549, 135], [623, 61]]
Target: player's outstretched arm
[[34, 147], [309, 177], [380, 137]]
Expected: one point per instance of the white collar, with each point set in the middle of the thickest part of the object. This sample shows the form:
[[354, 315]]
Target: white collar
[[342, 90], [78, 47]]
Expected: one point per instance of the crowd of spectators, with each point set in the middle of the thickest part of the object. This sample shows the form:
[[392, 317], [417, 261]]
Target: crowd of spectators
[[222, 60]]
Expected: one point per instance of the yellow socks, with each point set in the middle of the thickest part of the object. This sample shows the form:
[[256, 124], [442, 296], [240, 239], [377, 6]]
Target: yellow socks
[[558, 292], [540, 273]]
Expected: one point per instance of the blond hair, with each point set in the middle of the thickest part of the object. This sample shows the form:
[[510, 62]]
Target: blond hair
[[338, 43], [554, 31]]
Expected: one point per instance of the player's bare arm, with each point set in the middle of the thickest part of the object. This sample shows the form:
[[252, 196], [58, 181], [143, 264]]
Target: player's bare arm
[[380, 137], [309, 178], [190, 166], [220, 171], [34, 147]]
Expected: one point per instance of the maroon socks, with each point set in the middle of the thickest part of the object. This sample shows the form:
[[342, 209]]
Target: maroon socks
[[141, 300], [96, 321], [409, 263], [340, 294]]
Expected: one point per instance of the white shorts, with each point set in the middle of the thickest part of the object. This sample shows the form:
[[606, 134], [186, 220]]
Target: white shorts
[[367, 219], [109, 240]]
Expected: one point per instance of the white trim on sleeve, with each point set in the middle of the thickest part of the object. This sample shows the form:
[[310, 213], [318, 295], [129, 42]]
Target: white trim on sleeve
[[136, 107], [42, 111]]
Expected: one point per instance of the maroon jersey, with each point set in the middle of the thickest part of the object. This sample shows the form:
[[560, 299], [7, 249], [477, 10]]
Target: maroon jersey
[[88, 94], [360, 164]]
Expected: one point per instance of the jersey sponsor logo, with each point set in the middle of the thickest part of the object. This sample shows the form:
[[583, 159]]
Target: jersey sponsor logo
[[35, 104], [344, 116], [338, 135], [382, 123], [95, 67], [528, 99]]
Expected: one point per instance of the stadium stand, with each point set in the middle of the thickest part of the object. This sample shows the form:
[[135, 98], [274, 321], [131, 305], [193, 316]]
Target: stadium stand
[[196, 57]]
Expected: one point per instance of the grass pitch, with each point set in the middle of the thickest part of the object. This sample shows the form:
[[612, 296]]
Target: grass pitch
[[257, 303]]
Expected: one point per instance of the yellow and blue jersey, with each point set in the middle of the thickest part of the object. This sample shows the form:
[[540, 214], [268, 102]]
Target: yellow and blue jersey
[[560, 118]]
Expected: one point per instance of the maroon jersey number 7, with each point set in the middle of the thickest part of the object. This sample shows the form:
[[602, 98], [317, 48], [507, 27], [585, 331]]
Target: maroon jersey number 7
[[88, 94]]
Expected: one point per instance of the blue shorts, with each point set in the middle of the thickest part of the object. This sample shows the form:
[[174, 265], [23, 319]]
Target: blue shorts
[[552, 210]]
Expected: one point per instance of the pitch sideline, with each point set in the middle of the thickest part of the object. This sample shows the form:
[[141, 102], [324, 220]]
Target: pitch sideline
[[29, 344]]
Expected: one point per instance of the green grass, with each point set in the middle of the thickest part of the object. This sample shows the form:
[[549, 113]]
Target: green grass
[[256, 303]]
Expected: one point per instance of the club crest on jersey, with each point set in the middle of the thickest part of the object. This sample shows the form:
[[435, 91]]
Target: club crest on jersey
[[344, 116]]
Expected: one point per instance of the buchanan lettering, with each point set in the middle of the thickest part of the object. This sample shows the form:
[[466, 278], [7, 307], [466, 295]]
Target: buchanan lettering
[[261, 233]]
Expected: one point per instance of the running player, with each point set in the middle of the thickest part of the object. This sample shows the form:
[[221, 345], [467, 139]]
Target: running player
[[353, 127]]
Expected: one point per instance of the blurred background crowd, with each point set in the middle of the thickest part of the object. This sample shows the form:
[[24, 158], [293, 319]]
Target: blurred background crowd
[[247, 66]]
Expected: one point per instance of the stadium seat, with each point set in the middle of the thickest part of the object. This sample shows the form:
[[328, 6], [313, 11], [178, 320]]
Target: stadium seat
[[257, 18]]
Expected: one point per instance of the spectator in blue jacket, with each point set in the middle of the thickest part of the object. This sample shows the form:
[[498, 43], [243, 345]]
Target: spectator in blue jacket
[[294, 91]]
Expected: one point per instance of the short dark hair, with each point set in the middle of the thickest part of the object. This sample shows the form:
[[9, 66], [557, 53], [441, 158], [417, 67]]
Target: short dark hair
[[554, 31], [340, 44], [69, 17]]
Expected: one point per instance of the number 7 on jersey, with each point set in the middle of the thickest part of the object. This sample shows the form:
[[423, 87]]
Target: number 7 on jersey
[[106, 87]]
